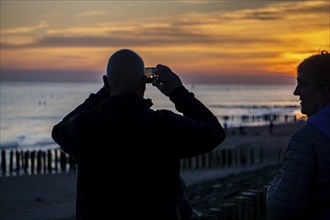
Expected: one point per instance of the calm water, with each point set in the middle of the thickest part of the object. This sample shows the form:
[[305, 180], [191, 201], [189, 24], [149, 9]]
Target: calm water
[[28, 111]]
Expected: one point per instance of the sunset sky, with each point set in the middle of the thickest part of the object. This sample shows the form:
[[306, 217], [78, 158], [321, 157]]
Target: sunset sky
[[231, 41]]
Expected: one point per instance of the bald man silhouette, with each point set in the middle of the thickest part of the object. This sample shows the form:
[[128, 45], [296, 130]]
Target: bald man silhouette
[[128, 154]]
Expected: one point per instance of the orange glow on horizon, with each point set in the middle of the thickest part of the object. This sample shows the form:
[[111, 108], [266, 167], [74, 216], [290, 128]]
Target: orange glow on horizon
[[266, 39]]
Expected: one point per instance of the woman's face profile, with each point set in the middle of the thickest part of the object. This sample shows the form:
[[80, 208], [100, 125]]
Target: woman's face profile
[[310, 95]]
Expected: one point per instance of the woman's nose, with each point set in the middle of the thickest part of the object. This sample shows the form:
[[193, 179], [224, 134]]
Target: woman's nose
[[296, 91]]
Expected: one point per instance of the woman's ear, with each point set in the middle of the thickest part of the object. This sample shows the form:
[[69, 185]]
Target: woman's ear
[[143, 85]]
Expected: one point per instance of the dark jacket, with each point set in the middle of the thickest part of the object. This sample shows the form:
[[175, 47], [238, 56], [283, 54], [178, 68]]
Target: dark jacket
[[128, 155], [302, 189]]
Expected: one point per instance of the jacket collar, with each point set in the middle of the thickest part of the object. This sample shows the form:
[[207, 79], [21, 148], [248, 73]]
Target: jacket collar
[[321, 120], [130, 99]]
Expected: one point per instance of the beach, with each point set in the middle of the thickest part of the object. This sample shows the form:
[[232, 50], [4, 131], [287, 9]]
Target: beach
[[38, 197], [52, 196]]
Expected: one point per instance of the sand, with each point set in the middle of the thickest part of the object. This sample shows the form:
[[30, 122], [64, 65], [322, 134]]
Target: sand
[[52, 196], [38, 197]]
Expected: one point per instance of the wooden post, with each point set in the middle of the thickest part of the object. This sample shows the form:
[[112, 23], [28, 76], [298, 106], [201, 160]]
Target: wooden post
[[229, 158], [63, 162], [72, 164], [243, 204], [203, 158], [44, 161], [262, 208], [210, 159], [26, 162], [229, 211], [215, 212], [243, 157], [33, 156], [18, 162], [256, 204], [56, 160], [11, 162], [189, 163], [23, 160], [49, 161], [235, 156], [3, 162], [223, 158], [196, 164], [218, 158], [39, 162]]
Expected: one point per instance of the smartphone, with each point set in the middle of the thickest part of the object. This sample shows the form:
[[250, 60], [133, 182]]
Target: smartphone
[[150, 73]]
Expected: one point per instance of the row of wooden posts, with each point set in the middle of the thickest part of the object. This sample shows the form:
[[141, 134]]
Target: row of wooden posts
[[259, 118], [32, 162], [225, 157], [248, 205]]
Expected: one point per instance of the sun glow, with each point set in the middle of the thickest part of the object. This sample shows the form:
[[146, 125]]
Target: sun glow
[[261, 39]]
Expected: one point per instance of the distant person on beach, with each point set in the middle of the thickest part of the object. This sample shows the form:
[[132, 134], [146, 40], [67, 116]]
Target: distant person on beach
[[302, 189], [271, 126], [128, 155]]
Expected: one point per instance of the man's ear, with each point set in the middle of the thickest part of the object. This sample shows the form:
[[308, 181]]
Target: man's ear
[[106, 84], [143, 84]]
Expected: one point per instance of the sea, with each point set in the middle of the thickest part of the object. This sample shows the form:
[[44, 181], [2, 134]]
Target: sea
[[29, 110]]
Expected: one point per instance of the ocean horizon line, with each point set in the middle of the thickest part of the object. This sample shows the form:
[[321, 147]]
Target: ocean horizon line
[[184, 83]]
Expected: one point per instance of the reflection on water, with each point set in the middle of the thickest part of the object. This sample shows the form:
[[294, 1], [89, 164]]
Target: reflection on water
[[28, 111]]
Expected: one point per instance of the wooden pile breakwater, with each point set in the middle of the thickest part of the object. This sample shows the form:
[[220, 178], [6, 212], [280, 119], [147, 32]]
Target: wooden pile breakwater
[[240, 196], [33, 162], [249, 204], [225, 157]]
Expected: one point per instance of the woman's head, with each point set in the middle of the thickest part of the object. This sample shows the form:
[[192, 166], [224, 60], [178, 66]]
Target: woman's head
[[313, 83]]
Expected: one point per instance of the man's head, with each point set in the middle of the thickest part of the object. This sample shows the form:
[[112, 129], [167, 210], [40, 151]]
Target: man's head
[[125, 73]]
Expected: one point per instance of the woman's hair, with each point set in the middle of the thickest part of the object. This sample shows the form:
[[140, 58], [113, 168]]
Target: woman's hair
[[318, 68]]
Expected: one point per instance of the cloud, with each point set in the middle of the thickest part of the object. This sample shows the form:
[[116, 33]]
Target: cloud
[[260, 39], [26, 30], [169, 37], [196, 2], [191, 28], [278, 11], [92, 13], [311, 7]]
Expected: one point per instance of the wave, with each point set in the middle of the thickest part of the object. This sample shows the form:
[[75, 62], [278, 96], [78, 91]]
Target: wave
[[9, 144], [49, 118], [29, 142]]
